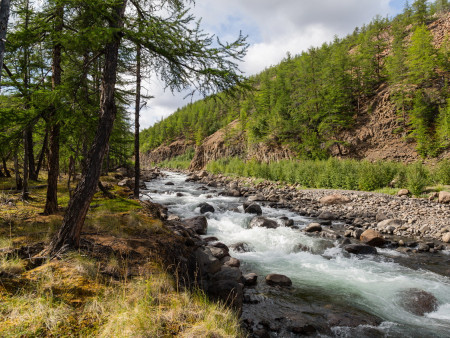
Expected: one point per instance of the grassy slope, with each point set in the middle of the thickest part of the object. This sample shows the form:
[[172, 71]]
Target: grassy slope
[[116, 285]]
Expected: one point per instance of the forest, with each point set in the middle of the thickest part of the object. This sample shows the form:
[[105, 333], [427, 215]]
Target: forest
[[309, 98]]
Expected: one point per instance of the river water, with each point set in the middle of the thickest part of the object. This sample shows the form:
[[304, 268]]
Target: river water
[[322, 276]]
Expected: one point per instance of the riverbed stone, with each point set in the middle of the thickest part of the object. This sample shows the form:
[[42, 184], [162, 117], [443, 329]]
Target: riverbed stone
[[228, 291], [255, 198], [403, 192], [372, 238], [327, 215], [250, 279], [275, 279], [169, 183], [444, 197], [389, 223], [418, 302], [205, 207], [446, 237], [207, 263], [260, 221], [241, 247], [313, 227], [360, 249], [253, 209], [219, 253], [231, 261], [199, 224], [334, 199]]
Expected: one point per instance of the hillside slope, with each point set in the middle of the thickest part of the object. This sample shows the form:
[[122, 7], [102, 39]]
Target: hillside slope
[[381, 93]]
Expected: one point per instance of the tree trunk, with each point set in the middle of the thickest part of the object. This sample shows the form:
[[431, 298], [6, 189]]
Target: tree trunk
[[17, 173], [30, 153], [4, 17], [42, 154], [70, 231], [137, 109], [25, 193], [5, 167], [51, 204]]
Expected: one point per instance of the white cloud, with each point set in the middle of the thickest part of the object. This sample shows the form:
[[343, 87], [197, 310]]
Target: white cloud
[[274, 28]]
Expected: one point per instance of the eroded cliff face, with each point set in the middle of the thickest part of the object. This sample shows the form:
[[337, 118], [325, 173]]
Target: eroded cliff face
[[166, 152]]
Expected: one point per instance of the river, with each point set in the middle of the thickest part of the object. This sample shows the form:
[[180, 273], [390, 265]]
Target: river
[[324, 276]]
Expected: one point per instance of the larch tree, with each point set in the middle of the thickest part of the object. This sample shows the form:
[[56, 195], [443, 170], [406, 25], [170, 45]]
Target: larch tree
[[182, 55]]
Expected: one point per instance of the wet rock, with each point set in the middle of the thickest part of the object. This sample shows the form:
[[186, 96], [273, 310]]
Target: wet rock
[[274, 279], [357, 233], [205, 207], [210, 239], [423, 247], [403, 192], [326, 215], [360, 249], [444, 197], [334, 199], [173, 218], [199, 224], [241, 247], [446, 237], [179, 194], [228, 273], [372, 238], [261, 333], [287, 221], [418, 301], [303, 329], [231, 261], [169, 183], [257, 197], [250, 279], [206, 262], [202, 189], [389, 223], [235, 193], [228, 291], [263, 222], [253, 209], [313, 227], [219, 253]]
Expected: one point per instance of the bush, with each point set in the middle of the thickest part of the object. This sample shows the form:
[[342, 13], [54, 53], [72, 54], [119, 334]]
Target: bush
[[416, 178]]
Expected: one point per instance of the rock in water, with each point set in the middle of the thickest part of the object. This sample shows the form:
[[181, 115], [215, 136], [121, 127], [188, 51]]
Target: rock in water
[[263, 222], [313, 227], [205, 207], [418, 301], [253, 209], [360, 249], [250, 279], [198, 224], [275, 279], [372, 237], [241, 247]]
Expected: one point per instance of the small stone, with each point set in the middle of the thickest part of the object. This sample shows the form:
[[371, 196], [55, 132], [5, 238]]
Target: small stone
[[372, 238], [403, 192], [444, 197], [313, 227], [250, 279], [446, 237]]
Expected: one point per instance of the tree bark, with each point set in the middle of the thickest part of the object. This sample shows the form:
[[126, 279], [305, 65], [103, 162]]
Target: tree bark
[[17, 173], [25, 192], [4, 17], [137, 167], [5, 168], [51, 204], [70, 231], [30, 154], [42, 154]]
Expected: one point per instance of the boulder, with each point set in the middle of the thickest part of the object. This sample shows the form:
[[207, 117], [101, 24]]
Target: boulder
[[389, 223], [256, 198], [234, 193], [173, 218], [372, 238], [219, 253], [444, 197], [287, 221], [231, 261], [275, 279], [179, 194], [228, 291], [403, 192], [259, 221], [169, 183], [205, 207], [228, 273], [253, 209], [418, 301], [334, 199], [446, 237], [199, 224], [203, 173], [206, 262], [250, 279], [241, 247], [313, 227], [126, 182], [326, 215], [360, 249]]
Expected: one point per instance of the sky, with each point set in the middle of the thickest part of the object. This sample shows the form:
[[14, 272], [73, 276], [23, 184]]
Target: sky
[[274, 28]]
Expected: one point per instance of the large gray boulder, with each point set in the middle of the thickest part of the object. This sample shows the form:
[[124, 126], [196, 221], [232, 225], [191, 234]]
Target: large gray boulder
[[360, 249], [207, 263], [418, 301], [205, 207], [444, 197], [253, 209], [260, 221], [199, 224]]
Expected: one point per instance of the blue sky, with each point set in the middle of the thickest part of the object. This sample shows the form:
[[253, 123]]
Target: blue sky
[[273, 28]]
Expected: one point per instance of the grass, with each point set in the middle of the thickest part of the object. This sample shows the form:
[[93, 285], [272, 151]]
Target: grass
[[179, 162], [124, 291]]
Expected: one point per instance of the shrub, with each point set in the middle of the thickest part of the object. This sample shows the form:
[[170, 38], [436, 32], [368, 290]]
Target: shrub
[[416, 178]]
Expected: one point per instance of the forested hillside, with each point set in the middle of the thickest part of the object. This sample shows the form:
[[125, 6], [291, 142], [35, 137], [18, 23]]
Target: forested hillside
[[311, 101]]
